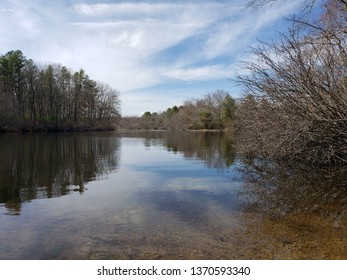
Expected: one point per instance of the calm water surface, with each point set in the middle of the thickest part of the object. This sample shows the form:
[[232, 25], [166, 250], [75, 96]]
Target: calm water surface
[[162, 195]]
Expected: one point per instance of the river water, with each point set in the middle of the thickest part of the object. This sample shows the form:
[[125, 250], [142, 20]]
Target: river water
[[162, 195]]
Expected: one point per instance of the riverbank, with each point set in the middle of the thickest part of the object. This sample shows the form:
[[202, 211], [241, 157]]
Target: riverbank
[[52, 126]]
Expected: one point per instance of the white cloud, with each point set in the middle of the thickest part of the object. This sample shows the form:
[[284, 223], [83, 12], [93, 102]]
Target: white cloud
[[141, 36], [127, 9], [150, 27], [154, 11], [17, 23], [200, 73]]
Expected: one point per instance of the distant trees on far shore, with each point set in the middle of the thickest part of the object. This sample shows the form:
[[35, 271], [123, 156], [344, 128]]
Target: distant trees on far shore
[[52, 97], [213, 111]]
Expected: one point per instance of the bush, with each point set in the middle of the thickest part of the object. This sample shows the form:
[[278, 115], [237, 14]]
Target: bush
[[295, 103]]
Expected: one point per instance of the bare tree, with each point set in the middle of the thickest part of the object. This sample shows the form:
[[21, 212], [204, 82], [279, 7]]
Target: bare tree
[[295, 103]]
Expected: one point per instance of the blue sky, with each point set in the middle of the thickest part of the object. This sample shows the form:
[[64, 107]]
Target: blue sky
[[156, 53]]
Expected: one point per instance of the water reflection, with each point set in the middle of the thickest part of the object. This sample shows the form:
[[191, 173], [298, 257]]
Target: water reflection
[[297, 213], [280, 189], [215, 149], [174, 195], [37, 166]]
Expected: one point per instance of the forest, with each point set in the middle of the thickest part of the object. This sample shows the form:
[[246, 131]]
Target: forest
[[214, 111], [52, 98]]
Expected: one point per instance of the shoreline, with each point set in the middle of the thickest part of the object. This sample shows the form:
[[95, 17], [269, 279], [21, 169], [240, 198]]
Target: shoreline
[[44, 126]]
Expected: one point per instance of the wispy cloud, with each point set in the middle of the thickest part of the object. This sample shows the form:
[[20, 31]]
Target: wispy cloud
[[150, 27], [166, 11], [17, 22], [203, 73]]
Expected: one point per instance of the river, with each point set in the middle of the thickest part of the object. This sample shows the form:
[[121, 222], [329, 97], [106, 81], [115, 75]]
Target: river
[[162, 195]]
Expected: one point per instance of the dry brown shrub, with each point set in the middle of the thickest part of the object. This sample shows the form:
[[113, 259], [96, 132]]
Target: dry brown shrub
[[295, 104]]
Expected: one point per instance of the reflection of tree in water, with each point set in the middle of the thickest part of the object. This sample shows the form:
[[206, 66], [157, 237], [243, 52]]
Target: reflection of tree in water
[[280, 189], [51, 165], [215, 149], [294, 212]]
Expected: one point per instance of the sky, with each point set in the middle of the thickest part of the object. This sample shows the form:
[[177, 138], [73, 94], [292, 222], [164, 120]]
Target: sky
[[157, 54]]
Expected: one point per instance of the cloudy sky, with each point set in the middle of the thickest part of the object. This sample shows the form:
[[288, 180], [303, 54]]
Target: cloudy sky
[[156, 53]]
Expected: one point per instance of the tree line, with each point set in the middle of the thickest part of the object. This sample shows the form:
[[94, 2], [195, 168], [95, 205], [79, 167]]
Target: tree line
[[52, 97], [213, 111]]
